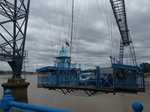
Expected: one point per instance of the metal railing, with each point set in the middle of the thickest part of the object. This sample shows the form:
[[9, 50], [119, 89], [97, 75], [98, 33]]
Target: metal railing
[[104, 81], [9, 105]]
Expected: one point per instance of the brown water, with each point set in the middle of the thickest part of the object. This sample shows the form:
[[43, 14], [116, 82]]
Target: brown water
[[99, 103]]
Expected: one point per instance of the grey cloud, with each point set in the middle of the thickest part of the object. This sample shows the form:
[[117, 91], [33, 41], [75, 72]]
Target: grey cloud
[[49, 26]]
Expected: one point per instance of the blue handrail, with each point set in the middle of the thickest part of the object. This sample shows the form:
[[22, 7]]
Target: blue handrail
[[9, 105]]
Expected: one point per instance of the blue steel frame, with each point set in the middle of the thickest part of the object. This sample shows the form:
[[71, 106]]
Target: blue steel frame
[[130, 81], [141, 79], [123, 77], [58, 77]]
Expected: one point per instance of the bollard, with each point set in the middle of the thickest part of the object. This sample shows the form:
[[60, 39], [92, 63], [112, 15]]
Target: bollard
[[4, 101], [137, 107]]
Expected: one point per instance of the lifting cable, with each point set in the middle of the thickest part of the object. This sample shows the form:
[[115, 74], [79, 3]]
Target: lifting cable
[[49, 29], [112, 32], [84, 19], [72, 20], [103, 24]]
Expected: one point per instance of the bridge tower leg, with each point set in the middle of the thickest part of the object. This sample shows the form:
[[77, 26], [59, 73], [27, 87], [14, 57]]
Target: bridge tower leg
[[13, 28]]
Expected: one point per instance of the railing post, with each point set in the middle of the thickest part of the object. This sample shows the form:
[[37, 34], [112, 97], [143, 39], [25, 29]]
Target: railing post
[[137, 107], [57, 76], [4, 101], [98, 77], [77, 80]]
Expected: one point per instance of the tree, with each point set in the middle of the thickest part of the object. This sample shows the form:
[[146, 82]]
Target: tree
[[146, 67]]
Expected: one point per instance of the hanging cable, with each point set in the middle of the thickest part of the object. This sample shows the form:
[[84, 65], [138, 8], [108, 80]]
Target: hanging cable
[[72, 28], [49, 29]]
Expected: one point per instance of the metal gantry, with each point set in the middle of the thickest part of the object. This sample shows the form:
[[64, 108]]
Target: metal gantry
[[118, 7], [13, 24]]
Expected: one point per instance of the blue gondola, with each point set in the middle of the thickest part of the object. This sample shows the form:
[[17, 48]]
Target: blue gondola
[[118, 78]]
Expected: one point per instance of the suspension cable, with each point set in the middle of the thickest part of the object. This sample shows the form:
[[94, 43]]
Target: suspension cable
[[72, 28]]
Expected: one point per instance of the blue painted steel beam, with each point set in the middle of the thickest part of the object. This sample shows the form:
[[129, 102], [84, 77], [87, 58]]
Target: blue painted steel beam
[[34, 107], [7, 102]]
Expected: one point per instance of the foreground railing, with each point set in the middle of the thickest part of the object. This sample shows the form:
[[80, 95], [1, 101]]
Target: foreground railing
[[9, 105]]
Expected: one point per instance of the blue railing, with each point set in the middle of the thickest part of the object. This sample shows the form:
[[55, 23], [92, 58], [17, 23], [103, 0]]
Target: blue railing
[[103, 81], [9, 105]]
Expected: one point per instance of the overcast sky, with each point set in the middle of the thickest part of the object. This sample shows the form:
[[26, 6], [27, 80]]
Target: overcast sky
[[95, 34]]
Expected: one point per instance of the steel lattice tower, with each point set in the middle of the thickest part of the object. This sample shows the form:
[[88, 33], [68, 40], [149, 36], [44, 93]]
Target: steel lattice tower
[[13, 28], [118, 7]]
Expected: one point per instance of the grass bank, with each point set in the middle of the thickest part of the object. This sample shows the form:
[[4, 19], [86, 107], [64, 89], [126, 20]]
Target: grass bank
[[146, 74], [5, 73]]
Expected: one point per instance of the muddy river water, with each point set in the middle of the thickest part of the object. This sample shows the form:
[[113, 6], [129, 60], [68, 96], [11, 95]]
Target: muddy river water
[[119, 102]]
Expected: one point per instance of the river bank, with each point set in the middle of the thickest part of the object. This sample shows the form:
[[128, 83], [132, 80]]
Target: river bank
[[147, 81]]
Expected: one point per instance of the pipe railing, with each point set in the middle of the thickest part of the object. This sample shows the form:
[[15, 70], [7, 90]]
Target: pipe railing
[[9, 105]]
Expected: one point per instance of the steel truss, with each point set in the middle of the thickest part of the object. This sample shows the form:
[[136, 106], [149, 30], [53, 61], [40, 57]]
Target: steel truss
[[13, 34], [118, 7], [88, 92]]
